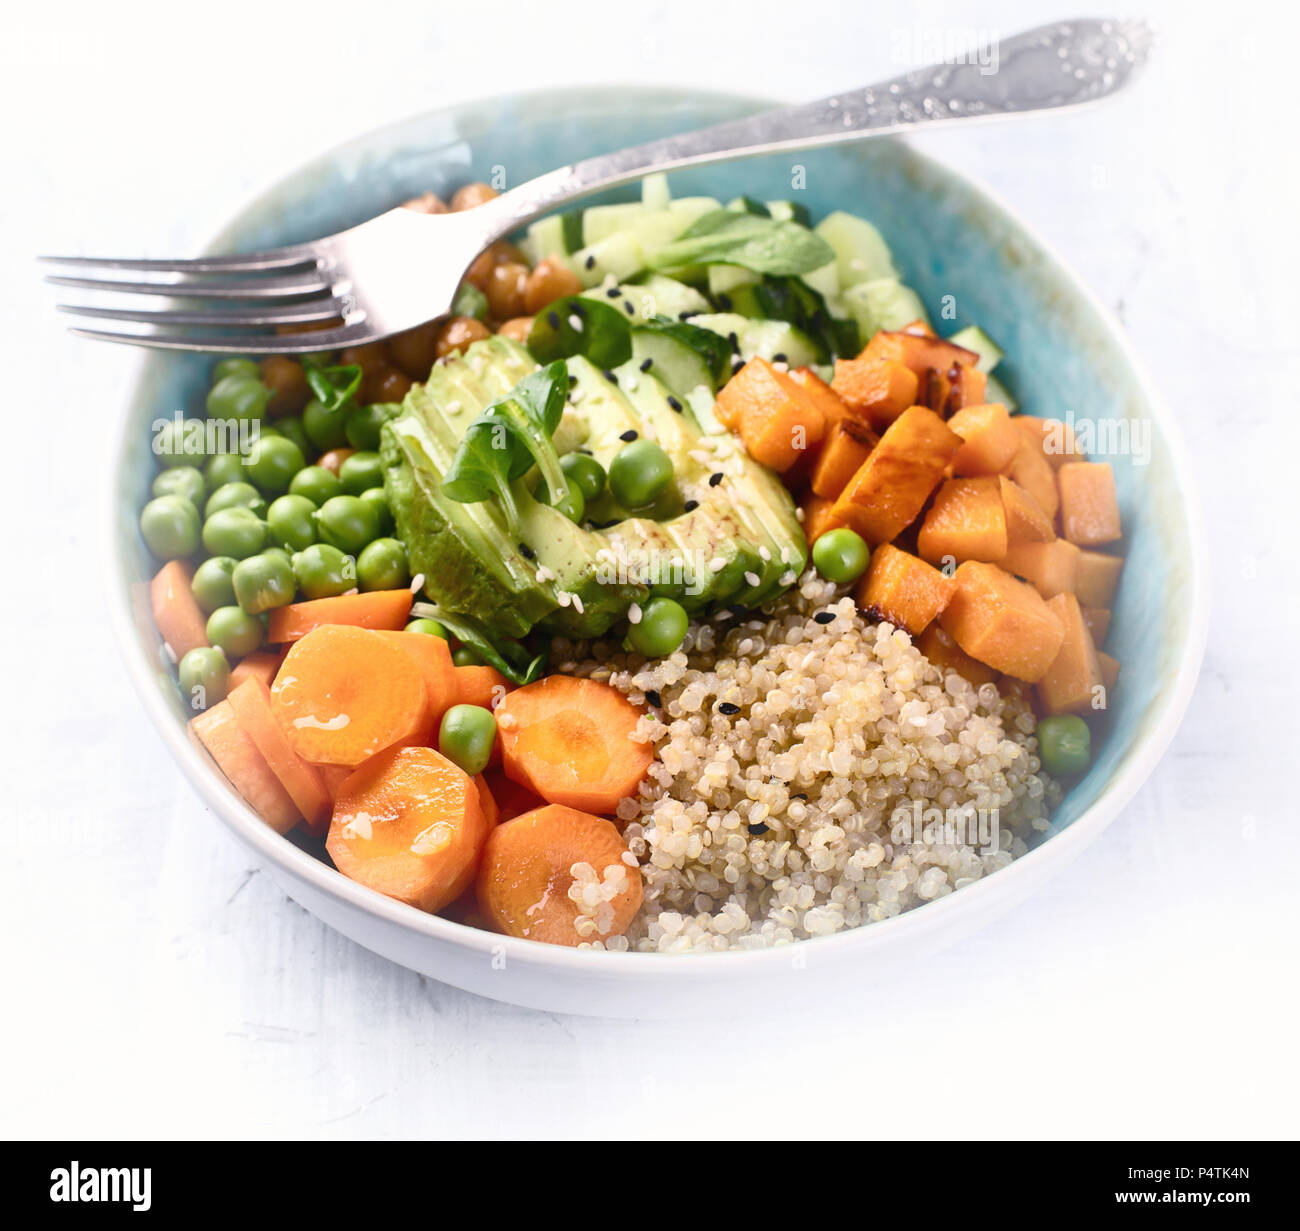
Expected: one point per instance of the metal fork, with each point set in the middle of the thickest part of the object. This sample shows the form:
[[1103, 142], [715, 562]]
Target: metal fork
[[361, 277]]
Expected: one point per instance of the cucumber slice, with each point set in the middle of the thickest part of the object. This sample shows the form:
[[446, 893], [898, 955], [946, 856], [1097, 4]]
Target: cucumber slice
[[747, 205], [789, 211], [883, 303], [764, 338], [723, 279], [618, 256], [688, 209], [656, 296], [674, 364], [654, 191], [860, 252], [601, 221], [825, 281], [974, 338], [996, 391], [544, 237]]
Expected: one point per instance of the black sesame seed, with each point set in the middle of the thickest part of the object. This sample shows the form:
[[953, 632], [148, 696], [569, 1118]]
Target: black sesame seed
[[728, 708], [553, 319], [578, 310], [609, 376], [675, 404], [527, 551], [684, 316], [715, 479], [690, 506], [628, 436], [736, 365], [779, 357], [734, 341], [613, 293], [755, 830], [573, 380], [647, 365], [654, 698], [590, 262], [724, 302], [799, 795], [825, 617], [629, 307]]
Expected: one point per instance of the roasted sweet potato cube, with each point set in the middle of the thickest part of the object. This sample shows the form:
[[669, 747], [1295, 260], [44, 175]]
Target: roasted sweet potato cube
[[989, 442], [903, 589], [939, 647], [1051, 568], [776, 416], [818, 518], [1054, 439], [932, 390], [1097, 578], [893, 484], [825, 398], [967, 386], [1098, 621], [1089, 509], [917, 351], [1003, 622], [965, 522], [877, 391], [1109, 673], [1029, 468], [1027, 522], [1068, 686], [842, 454]]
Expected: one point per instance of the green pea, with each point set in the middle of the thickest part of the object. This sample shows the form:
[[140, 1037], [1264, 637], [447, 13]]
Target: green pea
[[378, 501], [264, 581], [433, 628], [1064, 744], [223, 468], [234, 532], [212, 586], [661, 628], [640, 471], [291, 429], [382, 566], [466, 736], [231, 367], [273, 463], [238, 396], [361, 472], [347, 523], [232, 629], [316, 483], [363, 424], [186, 481], [322, 571], [463, 656], [237, 495], [584, 472], [291, 521], [572, 504], [841, 555], [180, 443], [170, 525], [326, 429], [204, 676]]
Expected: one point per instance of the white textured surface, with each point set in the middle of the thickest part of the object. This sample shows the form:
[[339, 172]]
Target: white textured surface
[[154, 985]]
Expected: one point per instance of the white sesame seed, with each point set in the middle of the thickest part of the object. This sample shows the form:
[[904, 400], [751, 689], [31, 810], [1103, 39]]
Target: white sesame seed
[[577, 604], [717, 564], [563, 597], [417, 583], [634, 614], [575, 322], [752, 579]]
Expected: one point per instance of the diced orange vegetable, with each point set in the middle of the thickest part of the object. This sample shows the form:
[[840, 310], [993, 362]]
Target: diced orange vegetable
[[334, 776], [989, 442], [1068, 684], [335, 458], [1002, 622], [1051, 568], [1109, 672], [893, 484], [902, 589], [175, 611], [968, 387], [378, 609], [1030, 470], [823, 396], [939, 647], [1097, 578], [261, 665], [432, 655], [776, 416], [479, 685], [251, 702], [1054, 439], [526, 875], [933, 390], [1089, 509], [487, 801], [876, 390], [218, 730], [573, 741], [843, 452], [1027, 522], [818, 517], [344, 694], [512, 800], [917, 351], [1098, 621], [965, 522], [409, 824]]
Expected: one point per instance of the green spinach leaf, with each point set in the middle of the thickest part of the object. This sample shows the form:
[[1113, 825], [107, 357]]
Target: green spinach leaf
[[765, 245]]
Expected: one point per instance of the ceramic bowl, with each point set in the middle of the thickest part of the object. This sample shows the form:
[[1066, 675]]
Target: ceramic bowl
[[949, 237]]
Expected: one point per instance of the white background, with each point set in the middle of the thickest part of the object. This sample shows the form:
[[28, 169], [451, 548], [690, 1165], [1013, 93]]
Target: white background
[[153, 983]]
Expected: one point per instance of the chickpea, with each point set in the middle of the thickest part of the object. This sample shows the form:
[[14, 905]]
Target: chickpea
[[458, 333], [517, 328], [551, 280], [480, 272], [415, 350], [469, 195], [288, 384], [392, 386], [373, 360], [426, 203], [335, 322], [505, 290]]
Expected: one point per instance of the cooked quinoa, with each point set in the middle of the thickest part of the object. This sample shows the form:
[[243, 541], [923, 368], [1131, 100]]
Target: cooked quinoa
[[784, 746]]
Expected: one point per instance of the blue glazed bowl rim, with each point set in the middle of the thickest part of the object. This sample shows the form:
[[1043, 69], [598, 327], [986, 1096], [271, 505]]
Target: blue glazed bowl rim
[[942, 914]]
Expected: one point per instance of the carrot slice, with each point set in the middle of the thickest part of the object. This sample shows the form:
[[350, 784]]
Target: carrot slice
[[573, 741], [344, 694], [432, 655], [512, 800], [260, 665], [528, 886], [478, 685], [251, 702], [409, 824], [175, 611], [487, 801], [379, 609], [334, 776], [219, 731]]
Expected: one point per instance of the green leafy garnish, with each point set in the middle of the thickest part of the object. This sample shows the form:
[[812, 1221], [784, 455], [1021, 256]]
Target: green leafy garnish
[[576, 325], [508, 439], [765, 245], [470, 301], [793, 300], [334, 386], [514, 660]]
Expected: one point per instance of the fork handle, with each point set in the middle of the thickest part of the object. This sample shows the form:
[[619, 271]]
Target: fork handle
[[1063, 64]]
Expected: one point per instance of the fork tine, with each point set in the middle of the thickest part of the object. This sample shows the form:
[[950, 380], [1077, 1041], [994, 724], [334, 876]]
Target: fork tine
[[310, 282], [232, 318], [267, 344], [250, 262]]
